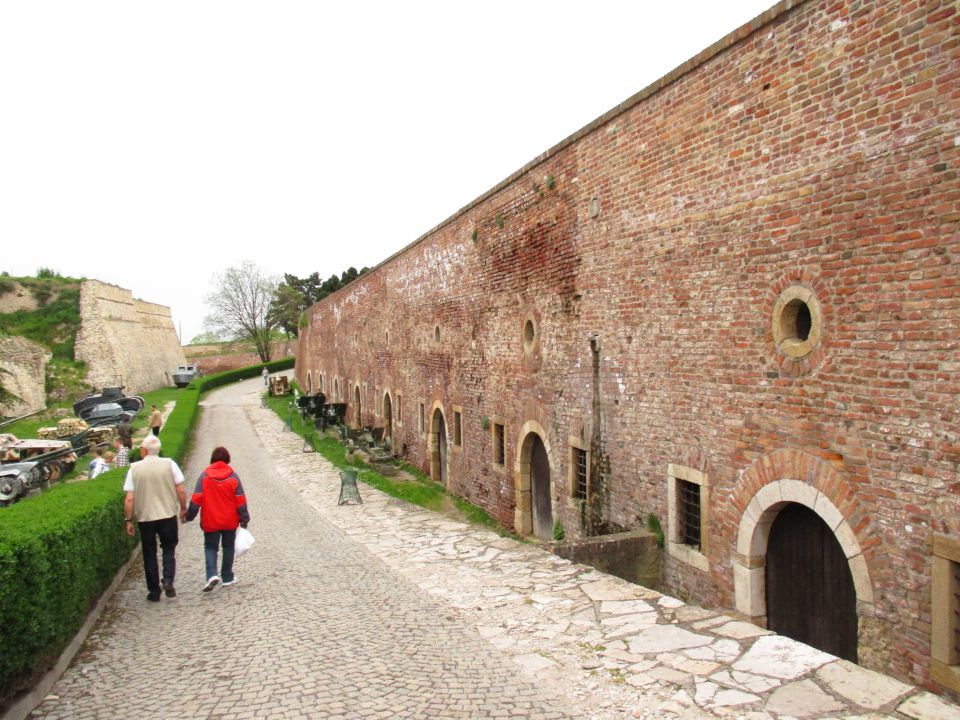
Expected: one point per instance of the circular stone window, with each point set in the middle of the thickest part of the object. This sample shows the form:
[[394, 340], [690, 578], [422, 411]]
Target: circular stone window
[[797, 322], [529, 335]]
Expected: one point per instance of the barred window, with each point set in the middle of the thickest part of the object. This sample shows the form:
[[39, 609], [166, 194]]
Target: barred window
[[499, 444], [688, 512], [579, 462]]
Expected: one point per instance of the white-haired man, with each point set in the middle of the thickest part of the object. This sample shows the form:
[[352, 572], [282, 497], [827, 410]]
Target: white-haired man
[[155, 497]]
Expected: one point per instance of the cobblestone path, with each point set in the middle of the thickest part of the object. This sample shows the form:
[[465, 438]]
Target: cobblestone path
[[386, 610], [317, 627]]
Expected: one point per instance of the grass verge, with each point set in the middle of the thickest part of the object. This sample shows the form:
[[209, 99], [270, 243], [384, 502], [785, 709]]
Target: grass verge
[[411, 485]]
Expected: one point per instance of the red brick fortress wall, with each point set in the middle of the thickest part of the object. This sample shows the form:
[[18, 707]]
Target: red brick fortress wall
[[814, 152]]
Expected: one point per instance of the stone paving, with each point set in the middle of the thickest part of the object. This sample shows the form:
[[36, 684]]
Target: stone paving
[[385, 610], [605, 647]]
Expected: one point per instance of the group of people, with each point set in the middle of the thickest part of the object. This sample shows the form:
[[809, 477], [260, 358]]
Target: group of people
[[156, 501]]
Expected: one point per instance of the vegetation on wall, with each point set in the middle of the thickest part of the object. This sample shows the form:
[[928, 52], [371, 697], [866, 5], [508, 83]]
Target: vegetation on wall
[[54, 324]]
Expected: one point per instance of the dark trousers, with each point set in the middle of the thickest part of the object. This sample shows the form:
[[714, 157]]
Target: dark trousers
[[156, 431], [167, 532]]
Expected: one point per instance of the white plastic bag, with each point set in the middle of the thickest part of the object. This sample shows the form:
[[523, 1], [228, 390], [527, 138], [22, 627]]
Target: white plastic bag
[[243, 542]]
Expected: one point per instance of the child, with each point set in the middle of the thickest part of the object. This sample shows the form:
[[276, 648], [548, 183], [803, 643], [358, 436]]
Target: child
[[97, 465]]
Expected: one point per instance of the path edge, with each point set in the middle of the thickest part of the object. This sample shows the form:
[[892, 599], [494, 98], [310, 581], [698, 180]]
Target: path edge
[[31, 700]]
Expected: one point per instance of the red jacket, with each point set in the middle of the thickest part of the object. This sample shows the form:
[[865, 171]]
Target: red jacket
[[219, 495]]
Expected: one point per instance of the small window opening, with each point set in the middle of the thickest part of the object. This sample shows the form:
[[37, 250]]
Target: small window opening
[[457, 425], [797, 319], [436, 333], [499, 444], [422, 423], [528, 332], [688, 512], [579, 473]]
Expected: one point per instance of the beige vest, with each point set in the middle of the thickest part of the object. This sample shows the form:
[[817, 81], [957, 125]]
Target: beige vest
[[154, 492]]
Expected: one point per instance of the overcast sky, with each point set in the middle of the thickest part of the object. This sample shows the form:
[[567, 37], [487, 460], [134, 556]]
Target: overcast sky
[[151, 144]]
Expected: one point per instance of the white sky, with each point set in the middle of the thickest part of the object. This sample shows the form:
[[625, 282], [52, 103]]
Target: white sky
[[150, 144]]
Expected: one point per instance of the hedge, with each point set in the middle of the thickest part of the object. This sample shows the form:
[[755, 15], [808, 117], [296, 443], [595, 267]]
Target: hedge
[[61, 549]]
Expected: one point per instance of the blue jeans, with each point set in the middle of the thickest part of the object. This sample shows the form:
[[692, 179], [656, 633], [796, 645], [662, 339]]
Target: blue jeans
[[211, 544]]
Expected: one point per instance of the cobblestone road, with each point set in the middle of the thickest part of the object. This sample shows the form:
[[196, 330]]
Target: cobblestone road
[[385, 610]]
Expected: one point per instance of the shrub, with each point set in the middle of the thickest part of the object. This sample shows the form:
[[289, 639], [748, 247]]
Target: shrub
[[58, 552]]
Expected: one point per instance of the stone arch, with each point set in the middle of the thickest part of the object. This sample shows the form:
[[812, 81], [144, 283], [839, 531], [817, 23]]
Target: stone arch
[[357, 406], [769, 479], [523, 512], [387, 405], [438, 445]]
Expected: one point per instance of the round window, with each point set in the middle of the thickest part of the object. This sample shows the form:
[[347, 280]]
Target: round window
[[797, 322]]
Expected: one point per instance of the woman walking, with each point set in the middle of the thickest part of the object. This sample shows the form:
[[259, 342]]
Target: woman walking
[[222, 505]]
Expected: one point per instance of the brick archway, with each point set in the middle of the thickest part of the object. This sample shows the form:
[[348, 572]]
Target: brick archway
[[523, 512], [437, 445], [765, 488]]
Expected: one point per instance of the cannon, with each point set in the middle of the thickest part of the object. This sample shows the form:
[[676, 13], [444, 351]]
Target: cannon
[[52, 459], [17, 480]]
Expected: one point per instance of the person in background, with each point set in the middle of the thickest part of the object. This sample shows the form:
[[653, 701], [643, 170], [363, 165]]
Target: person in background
[[155, 497], [222, 504], [97, 465], [156, 421], [266, 376], [121, 447], [125, 429]]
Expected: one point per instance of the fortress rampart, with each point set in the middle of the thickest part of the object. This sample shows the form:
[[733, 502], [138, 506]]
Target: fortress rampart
[[731, 303], [125, 341]]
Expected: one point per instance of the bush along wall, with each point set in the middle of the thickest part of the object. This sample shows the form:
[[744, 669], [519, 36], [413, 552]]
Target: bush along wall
[[61, 549]]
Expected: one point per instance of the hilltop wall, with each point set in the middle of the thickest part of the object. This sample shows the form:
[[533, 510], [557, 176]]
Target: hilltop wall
[[125, 341], [24, 364]]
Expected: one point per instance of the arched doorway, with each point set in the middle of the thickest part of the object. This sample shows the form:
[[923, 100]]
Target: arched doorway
[[438, 448], [357, 414], [810, 591], [541, 503], [387, 416]]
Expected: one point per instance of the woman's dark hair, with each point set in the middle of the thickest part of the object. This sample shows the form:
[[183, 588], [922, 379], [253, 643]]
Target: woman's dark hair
[[220, 454]]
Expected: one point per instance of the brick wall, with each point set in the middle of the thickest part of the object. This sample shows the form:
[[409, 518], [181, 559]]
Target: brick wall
[[125, 341], [25, 365], [815, 148]]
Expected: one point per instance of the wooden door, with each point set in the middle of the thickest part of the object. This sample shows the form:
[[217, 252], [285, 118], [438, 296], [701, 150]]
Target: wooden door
[[540, 490], [810, 593]]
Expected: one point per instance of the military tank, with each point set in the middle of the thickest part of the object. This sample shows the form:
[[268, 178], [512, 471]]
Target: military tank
[[87, 406]]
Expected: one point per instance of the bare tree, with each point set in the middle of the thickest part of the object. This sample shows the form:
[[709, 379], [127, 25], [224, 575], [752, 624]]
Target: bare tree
[[240, 305]]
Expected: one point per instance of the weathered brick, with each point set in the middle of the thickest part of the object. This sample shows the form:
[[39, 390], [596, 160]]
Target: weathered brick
[[668, 229]]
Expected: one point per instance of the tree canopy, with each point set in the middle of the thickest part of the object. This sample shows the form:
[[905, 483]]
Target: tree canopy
[[240, 306], [294, 295]]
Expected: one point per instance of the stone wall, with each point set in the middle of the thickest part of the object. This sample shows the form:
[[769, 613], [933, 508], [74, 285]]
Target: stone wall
[[125, 341], [24, 366], [743, 279]]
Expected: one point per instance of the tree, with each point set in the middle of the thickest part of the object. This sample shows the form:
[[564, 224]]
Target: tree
[[240, 304], [288, 304]]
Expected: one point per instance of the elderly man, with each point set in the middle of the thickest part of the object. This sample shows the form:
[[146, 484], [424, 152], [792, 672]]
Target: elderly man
[[155, 497]]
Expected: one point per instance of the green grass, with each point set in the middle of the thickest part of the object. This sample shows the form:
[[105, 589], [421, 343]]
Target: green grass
[[417, 488], [55, 322]]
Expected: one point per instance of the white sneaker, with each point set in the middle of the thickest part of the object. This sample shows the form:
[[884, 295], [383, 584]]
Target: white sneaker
[[211, 583], [228, 583]]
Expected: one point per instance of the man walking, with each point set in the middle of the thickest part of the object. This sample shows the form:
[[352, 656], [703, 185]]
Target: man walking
[[156, 420], [155, 497]]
